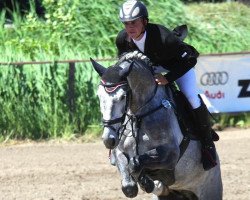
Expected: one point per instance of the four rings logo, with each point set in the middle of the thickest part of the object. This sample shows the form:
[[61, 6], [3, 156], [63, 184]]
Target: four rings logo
[[214, 78]]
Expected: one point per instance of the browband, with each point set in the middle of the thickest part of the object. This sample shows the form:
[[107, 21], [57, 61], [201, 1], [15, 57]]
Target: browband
[[111, 87]]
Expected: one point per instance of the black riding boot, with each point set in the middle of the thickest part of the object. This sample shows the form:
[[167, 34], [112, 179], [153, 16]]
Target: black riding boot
[[205, 132]]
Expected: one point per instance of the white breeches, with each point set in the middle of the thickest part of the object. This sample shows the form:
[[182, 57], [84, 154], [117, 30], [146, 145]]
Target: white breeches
[[187, 85]]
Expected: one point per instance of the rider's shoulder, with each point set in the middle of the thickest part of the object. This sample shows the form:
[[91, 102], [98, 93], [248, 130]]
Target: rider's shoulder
[[158, 27], [161, 33], [122, 34]]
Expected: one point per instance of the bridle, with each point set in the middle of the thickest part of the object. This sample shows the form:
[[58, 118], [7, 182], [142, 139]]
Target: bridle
[[110, 88], [136, 118]]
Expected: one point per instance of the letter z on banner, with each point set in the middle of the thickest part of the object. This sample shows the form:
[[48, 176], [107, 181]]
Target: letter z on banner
[[224, 82]]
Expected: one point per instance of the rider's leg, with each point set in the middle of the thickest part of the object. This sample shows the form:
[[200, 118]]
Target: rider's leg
[[187, 84]]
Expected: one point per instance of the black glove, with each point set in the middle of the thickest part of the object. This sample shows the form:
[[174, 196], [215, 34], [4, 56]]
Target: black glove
[[135, 55]]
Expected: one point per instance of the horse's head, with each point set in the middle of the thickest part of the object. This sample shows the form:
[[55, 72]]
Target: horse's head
[[112, 93], [134, 76]]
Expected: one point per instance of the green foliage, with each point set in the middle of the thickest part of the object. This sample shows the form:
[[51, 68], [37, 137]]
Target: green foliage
[[34, 101], [90, 28], [23, 108], [168, 12], [219, 28], [240, 120], [207, 1], [84, 26]]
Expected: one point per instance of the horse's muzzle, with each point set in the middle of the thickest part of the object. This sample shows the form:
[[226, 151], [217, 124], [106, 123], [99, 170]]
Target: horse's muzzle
[[109, 143]]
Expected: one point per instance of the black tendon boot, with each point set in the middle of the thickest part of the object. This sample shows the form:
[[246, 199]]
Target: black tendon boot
[[208, 150]]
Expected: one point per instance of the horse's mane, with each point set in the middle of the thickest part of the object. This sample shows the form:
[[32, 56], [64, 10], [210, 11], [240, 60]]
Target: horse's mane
[[140, 63], [145, 62], [112, 74]]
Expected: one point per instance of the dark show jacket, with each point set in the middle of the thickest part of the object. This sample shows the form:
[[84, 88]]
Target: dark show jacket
[[163, 48]]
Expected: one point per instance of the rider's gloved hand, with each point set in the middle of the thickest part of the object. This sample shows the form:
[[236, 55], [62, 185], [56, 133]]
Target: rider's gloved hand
[[135, 55], [160, 79]]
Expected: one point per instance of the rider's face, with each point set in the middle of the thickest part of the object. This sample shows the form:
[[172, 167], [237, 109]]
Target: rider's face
[[135, 28]]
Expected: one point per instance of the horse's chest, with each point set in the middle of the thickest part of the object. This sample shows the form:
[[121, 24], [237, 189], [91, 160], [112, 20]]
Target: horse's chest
[[129, 146], [137, 144]]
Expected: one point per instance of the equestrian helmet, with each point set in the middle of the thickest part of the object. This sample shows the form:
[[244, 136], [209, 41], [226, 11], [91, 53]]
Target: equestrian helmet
[[132, 10]]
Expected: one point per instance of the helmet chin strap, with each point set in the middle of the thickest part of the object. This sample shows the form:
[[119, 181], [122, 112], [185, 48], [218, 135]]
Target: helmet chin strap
[[140, 34]]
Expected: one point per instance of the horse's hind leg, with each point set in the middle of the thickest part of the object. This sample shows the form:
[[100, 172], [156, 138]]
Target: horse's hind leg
[[213, 187]]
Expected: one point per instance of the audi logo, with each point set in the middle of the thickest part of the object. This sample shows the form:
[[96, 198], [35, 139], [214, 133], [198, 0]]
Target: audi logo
[[214, 78]]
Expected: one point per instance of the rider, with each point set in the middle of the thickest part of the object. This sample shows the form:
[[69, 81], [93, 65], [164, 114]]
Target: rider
[[164, 49]]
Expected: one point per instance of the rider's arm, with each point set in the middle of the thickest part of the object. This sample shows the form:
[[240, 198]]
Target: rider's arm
[[182, 58]]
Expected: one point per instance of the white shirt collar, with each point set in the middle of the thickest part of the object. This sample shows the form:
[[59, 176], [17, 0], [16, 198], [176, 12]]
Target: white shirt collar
[[141, 43]]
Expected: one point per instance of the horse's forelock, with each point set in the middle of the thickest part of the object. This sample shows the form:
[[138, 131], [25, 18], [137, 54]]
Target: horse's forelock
[[112, 75]]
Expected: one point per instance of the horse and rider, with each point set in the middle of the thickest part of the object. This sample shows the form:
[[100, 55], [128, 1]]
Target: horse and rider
[[140, 118]]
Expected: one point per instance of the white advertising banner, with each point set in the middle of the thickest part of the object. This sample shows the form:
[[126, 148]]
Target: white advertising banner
[[224, 82]]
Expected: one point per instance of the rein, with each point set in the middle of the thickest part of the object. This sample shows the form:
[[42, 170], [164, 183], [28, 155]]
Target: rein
[[136, 121]]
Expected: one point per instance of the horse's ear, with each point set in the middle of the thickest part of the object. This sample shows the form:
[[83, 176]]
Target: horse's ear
[[126, 67], [98, 68]]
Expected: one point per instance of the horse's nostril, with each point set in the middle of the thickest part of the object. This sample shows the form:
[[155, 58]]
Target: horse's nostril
[[112, 141], [109, 143]]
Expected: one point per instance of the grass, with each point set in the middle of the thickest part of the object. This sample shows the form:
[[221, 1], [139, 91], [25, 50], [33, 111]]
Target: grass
[[222, 26]]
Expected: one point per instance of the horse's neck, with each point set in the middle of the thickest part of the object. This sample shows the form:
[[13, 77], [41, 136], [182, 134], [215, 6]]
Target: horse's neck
[[144, 98], [141, 93], [169, 119], [141, 103]]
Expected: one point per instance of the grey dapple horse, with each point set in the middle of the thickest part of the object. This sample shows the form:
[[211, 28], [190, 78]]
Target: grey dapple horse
[[141, 127]]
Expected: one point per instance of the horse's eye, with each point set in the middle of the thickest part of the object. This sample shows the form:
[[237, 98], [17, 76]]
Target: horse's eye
[[122, 97]]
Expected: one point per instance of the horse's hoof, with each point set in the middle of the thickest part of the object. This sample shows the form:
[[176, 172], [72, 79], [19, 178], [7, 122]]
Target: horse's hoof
[[130, 191], [146, 184]]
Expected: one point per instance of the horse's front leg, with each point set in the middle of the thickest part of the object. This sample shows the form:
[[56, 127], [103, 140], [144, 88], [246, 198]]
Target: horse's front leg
[[161, 157], [129, 185]]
